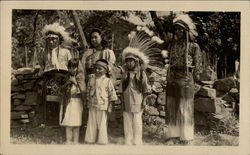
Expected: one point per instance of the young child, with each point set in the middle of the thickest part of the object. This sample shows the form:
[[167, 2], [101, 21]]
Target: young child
[[71, 105], [100, 95], [134, 87]]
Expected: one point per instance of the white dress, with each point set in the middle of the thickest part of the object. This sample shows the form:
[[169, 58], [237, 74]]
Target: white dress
[[73, 112]]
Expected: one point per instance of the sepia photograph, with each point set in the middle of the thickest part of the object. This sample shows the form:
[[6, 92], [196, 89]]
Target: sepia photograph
[[125, 77]]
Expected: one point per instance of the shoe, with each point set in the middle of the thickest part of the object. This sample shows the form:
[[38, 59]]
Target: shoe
[[184, 142]]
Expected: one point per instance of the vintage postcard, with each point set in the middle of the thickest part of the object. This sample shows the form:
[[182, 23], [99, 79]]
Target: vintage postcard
[[125, 77]]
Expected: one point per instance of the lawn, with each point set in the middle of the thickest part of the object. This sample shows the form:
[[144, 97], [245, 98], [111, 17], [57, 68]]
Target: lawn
[[55, 135]]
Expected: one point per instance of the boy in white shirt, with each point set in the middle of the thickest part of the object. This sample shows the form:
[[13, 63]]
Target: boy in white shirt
[[100, 96]]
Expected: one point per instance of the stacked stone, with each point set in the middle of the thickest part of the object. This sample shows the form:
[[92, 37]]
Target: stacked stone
[[215, 101], [24, 95], [154, 111]]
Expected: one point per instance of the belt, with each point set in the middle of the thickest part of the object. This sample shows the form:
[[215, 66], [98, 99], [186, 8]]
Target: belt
[[76, 96]]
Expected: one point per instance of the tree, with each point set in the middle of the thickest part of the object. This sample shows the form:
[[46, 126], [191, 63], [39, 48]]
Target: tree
[[27, 28], [219, 37]]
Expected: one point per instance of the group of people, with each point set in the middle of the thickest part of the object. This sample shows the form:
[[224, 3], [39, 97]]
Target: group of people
[[89, 82]]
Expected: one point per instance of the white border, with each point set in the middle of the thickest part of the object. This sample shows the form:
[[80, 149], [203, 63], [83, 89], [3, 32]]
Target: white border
[[6, 7]]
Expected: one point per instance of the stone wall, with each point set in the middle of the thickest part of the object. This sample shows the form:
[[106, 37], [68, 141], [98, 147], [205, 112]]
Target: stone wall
[[215, 100], [24, 95]]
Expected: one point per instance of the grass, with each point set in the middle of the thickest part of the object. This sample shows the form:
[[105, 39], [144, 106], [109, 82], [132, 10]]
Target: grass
[[155, 136]]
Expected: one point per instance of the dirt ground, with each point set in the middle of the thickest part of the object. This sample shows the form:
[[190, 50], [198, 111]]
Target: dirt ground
[[56, 135]]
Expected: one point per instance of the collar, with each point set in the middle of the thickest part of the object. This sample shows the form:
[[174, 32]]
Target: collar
[[101, 77]]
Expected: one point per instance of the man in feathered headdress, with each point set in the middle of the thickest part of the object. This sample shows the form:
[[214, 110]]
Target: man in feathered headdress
[[56, 55], [185, 66], [136, 57]]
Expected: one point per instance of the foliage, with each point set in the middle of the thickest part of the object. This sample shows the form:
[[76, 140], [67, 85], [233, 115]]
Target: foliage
[[218, 37], [27, 26], [230, 126], [219, 34]]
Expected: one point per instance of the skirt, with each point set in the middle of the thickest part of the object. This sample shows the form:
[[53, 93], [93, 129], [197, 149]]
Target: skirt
[[180, 117], [73, 113]]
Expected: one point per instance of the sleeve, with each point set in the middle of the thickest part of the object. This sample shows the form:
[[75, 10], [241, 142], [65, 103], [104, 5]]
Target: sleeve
[[41, 61], [54, 59], [109, 56], [80, 77], [112, 57], [146, 86], [197, 62], [69, 55], [111, 90]]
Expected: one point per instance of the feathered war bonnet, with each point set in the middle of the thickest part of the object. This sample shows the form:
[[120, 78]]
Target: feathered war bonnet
[[57, 29], [186, 22], [142, 47]]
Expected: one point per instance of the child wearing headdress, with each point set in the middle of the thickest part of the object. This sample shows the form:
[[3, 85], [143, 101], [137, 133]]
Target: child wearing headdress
[[71, 104], [100, 97], [134, 88], [140, 54]]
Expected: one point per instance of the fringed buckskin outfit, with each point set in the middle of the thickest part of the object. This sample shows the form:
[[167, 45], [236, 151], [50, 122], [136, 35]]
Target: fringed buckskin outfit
[[180, 90], [58, 57], [185, 65]]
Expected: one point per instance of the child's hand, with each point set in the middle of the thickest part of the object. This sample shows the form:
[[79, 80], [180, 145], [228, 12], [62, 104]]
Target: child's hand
[[73, 80], [109, 109]]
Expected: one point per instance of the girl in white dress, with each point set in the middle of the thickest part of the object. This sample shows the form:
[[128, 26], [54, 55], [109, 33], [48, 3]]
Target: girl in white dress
[[71, 105]]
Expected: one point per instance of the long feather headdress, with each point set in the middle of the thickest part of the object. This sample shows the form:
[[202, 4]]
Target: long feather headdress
[[57, 28], [142, 45], [186, 22]]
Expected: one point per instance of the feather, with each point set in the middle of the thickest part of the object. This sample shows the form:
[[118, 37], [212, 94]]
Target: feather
[[57, 28], [164, 53], [190, 25], [157, 39], [142, 46]]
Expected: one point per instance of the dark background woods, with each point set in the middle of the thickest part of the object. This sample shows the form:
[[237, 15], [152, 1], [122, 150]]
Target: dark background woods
[[219, 33]]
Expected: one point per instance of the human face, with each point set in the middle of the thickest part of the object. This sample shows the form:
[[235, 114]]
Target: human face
[[99, 70], [52, 41], [130, 63], [179, 32], [96, 39], [72, 71]]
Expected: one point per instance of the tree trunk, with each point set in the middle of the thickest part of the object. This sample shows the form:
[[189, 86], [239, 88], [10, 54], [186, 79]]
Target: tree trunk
[[215, 62], [26, 56], [158, 24], [112, 45], [225, 69], [34, 26], [80, 30], [35, 57]]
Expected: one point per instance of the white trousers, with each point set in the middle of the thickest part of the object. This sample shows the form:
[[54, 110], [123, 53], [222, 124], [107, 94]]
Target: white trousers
[[97, 127], [132, 127]]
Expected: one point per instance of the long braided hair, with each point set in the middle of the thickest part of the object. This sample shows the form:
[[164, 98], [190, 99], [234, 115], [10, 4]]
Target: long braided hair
[[66, 87]]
